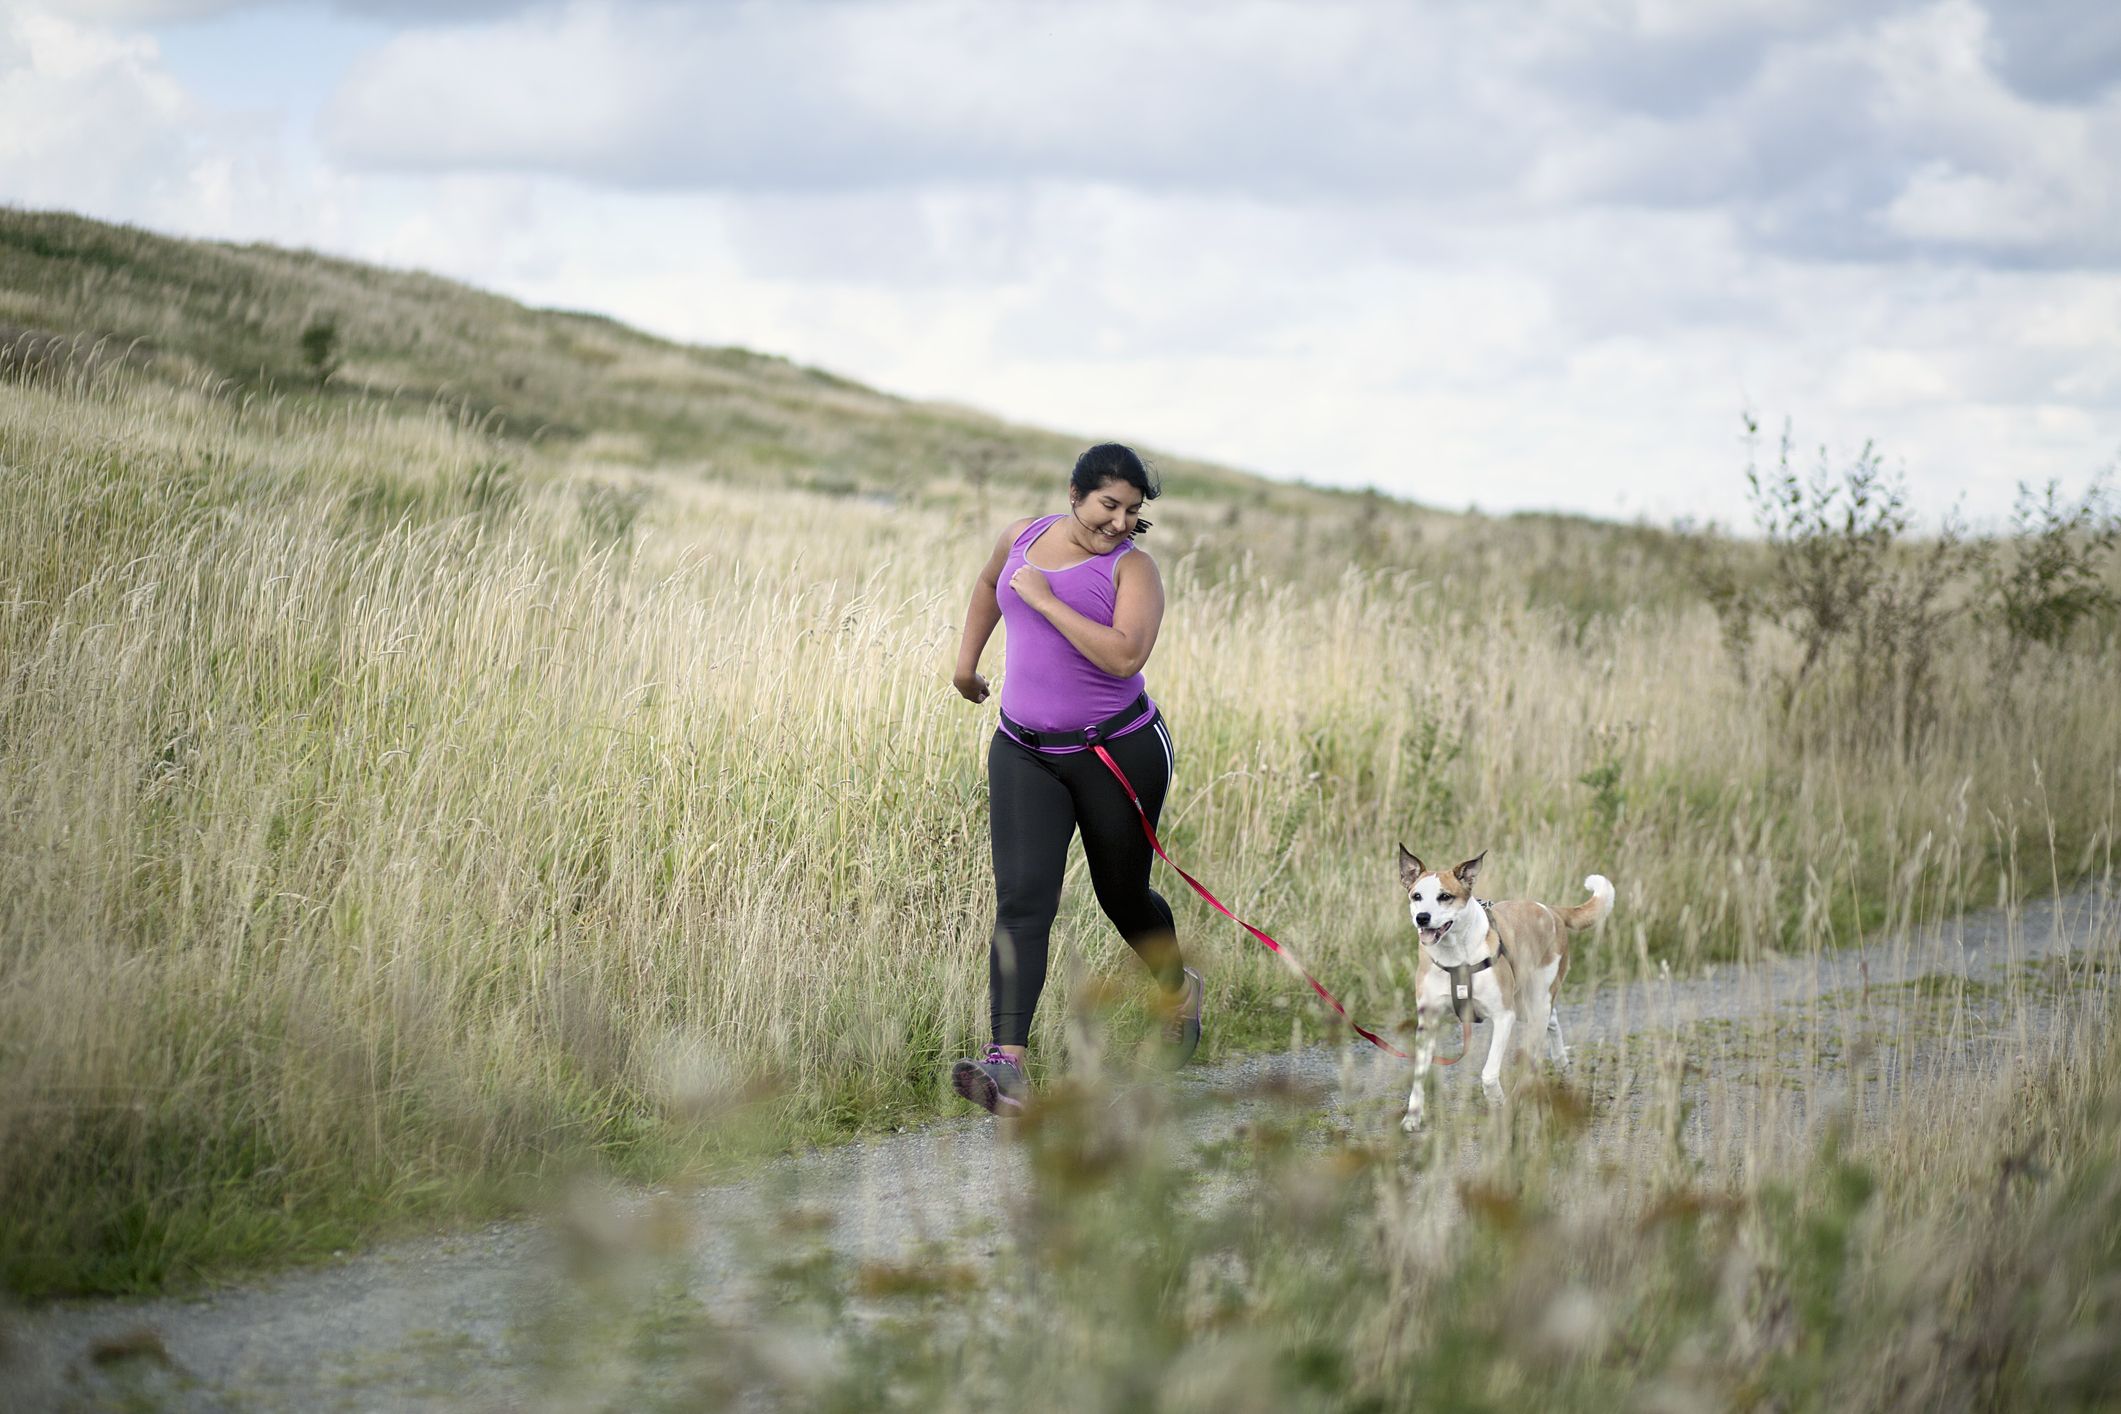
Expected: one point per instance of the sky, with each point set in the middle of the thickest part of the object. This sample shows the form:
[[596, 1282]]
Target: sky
[[1506, 254]]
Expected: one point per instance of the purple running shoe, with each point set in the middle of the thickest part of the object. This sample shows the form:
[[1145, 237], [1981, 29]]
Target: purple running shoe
[[1182, 1023], [995, 1082]]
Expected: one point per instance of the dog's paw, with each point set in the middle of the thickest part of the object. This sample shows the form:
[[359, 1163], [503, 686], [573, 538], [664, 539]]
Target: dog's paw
[[1493, 1090], [1412, 1123]]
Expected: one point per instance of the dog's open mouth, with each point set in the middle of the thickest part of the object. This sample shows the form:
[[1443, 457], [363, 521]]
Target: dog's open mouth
[[1433, 936]]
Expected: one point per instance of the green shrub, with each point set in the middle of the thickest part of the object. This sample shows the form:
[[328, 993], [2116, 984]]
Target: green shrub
[[1865, 603], [320, 347], [2046, 580]]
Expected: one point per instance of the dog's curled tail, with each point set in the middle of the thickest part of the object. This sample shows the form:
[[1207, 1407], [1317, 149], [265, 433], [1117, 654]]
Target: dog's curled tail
[[1592, 911]]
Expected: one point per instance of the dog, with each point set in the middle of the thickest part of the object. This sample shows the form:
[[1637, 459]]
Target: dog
[[1500, 962]]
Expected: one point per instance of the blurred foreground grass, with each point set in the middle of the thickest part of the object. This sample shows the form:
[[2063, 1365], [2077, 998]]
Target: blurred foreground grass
[[1917, 1207]]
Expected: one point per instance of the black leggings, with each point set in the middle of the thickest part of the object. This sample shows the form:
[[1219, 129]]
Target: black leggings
[[1037, 799]]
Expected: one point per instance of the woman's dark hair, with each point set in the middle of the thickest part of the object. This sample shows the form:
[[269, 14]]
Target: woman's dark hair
[[1114, 461]]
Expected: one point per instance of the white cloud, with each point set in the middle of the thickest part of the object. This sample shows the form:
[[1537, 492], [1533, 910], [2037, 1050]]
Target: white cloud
[[86, 117], [411, 11], [1255, 96], [2058, 51], [1831, 132], [1872, 142], [150, 11]]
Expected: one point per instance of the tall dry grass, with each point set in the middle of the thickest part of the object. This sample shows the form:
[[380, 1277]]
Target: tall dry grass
[[393, 809]]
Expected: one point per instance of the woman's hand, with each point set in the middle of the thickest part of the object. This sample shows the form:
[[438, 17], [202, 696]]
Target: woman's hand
[[970, 686], [1031, 586]]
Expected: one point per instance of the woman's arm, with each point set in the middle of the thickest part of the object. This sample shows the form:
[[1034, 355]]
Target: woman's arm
[[1137, 613], [981, 615]]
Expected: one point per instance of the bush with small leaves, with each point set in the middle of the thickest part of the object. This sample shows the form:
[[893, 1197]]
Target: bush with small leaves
[[1865, 602], [320, 347], [2047, 579]]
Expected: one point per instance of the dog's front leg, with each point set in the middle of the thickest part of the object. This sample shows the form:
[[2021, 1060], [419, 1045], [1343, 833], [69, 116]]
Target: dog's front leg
[[1556, 1051], [1432, 1007], [1424, 1052], [1498, 1047]]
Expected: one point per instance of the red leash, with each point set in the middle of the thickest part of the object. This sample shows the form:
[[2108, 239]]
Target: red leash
[[1213, 902]]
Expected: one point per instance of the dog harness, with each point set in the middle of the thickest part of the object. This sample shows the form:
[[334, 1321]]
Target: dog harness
[[1462, 975], [1462, 985], [1462, 988]]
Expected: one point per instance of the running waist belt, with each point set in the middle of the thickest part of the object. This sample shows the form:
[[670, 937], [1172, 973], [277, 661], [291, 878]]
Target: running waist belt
[[1080, 736]]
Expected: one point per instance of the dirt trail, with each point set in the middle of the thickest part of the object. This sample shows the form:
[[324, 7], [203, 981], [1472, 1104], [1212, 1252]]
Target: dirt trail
[[468, 1320]]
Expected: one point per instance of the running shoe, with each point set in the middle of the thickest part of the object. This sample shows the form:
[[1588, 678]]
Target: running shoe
[[995, 1082], [1182, 1025]]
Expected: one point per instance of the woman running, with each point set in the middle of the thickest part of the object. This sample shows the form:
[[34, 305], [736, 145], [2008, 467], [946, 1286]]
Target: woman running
[[1083, 604]]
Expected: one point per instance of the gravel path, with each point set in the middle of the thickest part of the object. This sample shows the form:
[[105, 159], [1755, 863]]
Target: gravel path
[[472, 1319]]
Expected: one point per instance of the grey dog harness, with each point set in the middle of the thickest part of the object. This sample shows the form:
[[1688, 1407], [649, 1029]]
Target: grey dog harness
[[1462, 975], [1462, 985]]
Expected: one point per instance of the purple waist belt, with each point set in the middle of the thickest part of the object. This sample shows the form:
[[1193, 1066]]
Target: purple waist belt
[[1119, 723]]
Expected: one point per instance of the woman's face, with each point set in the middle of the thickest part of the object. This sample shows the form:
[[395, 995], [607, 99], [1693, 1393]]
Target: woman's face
[[1107, 515]]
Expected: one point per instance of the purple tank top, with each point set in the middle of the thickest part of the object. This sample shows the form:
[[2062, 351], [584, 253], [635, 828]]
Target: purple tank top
[[1047, 684]]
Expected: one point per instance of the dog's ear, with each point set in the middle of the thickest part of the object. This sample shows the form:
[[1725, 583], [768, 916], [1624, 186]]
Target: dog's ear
[[1464, 873], [1410, 868]]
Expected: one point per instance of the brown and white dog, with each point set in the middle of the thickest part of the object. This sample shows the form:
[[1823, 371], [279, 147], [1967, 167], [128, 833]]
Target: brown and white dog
[[1509, 956]]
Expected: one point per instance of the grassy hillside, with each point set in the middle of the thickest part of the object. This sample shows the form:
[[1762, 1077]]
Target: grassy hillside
[[510, 753], [581, 384]]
